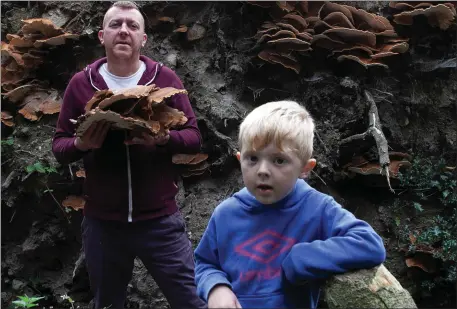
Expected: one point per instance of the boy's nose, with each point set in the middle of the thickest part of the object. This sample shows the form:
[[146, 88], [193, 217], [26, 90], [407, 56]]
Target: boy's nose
[[263, 169]]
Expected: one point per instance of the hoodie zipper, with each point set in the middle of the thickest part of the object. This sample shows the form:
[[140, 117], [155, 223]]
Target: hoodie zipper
[[129, 171]]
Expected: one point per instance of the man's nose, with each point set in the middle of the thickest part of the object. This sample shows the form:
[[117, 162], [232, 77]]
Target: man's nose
[[124, 29], [263, 169]]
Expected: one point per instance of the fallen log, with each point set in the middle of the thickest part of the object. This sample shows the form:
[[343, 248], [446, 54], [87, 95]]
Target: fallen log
[[367, 288]]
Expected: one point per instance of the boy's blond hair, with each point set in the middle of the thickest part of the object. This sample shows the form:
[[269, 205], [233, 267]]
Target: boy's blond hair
[[287, 124]]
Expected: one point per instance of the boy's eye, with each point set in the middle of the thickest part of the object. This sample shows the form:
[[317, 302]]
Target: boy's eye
[[252, 158], [280, 161]]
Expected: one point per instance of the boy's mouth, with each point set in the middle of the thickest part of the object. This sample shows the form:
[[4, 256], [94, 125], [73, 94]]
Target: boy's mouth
[[264, 188]]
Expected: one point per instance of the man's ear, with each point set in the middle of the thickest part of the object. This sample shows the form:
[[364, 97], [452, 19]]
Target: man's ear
[[308, 168], [145, 38], [100, 36], [238, 155]]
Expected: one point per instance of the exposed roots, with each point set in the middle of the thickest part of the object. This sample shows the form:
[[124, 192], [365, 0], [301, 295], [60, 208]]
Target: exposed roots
[[375, 131]]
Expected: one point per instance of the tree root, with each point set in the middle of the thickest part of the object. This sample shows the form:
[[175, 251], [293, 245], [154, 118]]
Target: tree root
[[375, 131]]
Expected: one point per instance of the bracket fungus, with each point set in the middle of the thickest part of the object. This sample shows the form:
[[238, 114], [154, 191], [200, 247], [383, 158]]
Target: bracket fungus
[[346, 32], [7, 119], [138, 109], [438, 14], [75, 202], [191, 164], [34, 101], [26, 49], [287, 37], [361, 166], [355, 34]]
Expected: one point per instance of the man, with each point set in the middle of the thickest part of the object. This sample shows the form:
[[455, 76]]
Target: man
[[130, 184]]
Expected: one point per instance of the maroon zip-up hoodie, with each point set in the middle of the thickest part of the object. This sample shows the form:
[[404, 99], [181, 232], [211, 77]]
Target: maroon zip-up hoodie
[[125, 183]]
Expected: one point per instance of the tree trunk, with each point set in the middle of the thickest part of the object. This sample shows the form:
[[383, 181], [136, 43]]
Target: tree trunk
[[367, 288]]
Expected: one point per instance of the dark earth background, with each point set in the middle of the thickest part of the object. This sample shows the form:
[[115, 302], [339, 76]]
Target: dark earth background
[[41, 243]]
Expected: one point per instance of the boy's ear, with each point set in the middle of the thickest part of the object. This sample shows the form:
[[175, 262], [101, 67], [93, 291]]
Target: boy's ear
[[308, 168], [238, 155]]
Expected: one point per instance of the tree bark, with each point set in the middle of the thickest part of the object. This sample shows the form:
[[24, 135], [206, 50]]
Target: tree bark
[[367, 288]]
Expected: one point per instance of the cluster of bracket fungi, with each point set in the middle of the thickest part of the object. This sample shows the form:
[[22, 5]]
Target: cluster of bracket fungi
[[21, 56], [345, 32]]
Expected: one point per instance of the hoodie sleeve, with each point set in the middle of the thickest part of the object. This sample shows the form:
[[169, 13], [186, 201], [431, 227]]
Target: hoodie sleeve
[[208, 271], [63, 145], [186, 139], [348, 244]]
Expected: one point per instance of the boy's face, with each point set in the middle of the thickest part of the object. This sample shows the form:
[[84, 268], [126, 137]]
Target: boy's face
[[270, 174]]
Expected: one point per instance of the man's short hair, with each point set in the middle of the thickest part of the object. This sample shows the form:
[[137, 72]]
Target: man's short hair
[[287, 124], [126, 5]]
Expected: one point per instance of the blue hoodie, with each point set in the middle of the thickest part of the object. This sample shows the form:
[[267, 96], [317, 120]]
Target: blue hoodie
[[275, 256]]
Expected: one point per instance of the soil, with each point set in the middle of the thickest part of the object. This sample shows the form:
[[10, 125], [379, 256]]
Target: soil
[[417, 104]]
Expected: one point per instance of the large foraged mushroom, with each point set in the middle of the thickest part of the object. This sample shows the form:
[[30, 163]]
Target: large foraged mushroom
[[141, 109], [438, 14]]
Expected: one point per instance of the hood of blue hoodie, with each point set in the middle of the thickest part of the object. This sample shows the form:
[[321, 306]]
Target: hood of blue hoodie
[[97, 81], [250, 203]]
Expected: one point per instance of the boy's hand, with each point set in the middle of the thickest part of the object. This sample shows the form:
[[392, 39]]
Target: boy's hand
[[221, 296], [94, 136]]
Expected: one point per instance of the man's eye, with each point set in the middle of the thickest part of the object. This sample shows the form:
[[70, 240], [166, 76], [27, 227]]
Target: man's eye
[[113, 25], [134, 26]]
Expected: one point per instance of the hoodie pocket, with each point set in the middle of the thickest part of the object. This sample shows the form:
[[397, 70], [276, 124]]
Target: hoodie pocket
[[273, 300]]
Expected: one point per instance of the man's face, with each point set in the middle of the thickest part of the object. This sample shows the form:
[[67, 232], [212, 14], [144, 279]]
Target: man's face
[[270, 174], [123, 33]]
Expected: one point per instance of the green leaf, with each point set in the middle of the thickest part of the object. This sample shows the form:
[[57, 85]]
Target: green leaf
[[34, 299], [418, 206], [445, 193], [30, 169], [20, 303], [397, 221], [39, 167]]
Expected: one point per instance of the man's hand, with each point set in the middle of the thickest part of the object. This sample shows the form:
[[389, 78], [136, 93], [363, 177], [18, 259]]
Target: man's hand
[[221, 296], [148, 140], [93, 137]]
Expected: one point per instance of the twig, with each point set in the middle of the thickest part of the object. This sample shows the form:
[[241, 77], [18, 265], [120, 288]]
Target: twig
[[74, 19], [322, 142], [12, 217], [71, 173], [318, 177], [6, 161], [375, 131], [58, 204], [27, 152], [388, 93]]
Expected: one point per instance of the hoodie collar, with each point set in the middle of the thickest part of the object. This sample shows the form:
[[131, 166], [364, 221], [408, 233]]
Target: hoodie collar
[[98, 83], [250, 203]]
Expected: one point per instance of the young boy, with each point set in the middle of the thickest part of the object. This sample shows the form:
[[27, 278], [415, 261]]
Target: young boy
[[272, 243]]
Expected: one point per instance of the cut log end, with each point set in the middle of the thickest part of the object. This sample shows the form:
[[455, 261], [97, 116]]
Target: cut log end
[[367, 288]]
